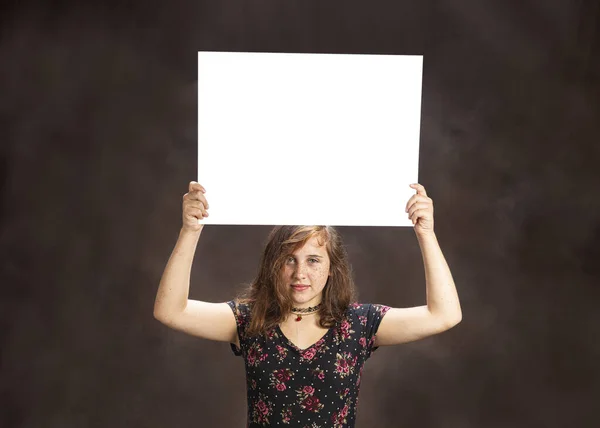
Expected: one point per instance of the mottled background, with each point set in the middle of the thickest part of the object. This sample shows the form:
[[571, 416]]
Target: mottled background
[[98, 132]]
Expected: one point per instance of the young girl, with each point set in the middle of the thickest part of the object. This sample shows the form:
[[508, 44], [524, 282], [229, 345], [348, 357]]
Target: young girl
[[303, 337]]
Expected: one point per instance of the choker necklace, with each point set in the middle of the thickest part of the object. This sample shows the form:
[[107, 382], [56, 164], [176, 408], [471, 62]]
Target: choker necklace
[[305, 311]]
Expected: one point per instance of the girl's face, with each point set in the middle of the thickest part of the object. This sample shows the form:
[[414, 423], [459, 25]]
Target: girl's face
[[306, 272]]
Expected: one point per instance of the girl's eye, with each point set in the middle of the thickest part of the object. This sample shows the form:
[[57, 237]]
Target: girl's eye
[[290, 260], [313, 260]]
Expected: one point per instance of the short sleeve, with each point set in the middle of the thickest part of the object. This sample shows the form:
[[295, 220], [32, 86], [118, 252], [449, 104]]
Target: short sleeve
[[369, 317], [241, 312]]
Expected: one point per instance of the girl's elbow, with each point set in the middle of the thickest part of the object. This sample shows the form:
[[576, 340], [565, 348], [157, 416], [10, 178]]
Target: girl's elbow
[[453, 321]]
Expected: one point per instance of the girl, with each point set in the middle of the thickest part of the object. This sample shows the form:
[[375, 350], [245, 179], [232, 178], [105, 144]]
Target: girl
[[303, 337]]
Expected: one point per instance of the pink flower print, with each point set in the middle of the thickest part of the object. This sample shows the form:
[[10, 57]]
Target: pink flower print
[[345, 329], [251, 356], [308, 354], [261, 411], [372, 341], [311, 404], [286, 415], [282, 375], [355, 305], [308, 390], [319, 373], [342, 367], [344, 411], [343, 393], [320, 347], [363, 342], [343, 332], [281, 353], [279, 377], [382, 309], [255, 354], [345, 364], [262, 407], [339, 418], [363, 320], [307, 399]]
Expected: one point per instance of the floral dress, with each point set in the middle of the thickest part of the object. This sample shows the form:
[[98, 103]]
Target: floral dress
[[316, 387]]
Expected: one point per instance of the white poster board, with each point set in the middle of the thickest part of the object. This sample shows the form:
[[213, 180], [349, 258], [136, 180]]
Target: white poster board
[[308, 139]]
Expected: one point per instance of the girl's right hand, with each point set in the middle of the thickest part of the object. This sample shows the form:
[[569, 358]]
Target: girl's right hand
[[195, 207]]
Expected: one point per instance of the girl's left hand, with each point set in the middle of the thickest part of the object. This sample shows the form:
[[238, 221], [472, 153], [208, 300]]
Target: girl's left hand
[[420, 210]]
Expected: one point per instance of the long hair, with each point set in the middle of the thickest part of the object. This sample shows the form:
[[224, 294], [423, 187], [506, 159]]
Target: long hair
[[269, 297]]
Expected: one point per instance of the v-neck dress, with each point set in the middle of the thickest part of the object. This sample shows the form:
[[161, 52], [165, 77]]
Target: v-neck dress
[[316, 387]]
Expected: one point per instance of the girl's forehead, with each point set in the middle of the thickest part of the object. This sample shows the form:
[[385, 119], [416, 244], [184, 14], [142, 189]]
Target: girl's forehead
[[316, 244]]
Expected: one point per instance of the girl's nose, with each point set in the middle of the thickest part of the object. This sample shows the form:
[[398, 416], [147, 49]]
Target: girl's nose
[[300, 270]]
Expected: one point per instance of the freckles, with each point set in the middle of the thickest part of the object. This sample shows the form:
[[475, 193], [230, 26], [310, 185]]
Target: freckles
[[322, 270]]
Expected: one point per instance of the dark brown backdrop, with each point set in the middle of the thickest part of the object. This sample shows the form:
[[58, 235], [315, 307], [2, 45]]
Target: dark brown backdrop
[[98, 117]]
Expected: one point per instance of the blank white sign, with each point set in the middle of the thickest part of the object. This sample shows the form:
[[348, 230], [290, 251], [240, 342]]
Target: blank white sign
[[308, 139]]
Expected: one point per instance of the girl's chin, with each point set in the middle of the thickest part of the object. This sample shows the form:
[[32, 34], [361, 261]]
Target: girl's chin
[[303, 301]]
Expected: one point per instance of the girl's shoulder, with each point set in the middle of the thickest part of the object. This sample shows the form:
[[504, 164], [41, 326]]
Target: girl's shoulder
[[366, 313], [356, 308], [241, 308]]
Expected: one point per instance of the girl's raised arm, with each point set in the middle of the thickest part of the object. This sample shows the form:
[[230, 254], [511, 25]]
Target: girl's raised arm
[[214, 321]]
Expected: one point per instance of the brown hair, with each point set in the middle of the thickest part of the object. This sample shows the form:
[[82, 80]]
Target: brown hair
[[267, 295]]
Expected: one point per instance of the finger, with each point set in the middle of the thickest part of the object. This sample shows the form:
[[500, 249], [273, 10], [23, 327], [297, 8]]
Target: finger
[[194, 213], [197, 212], [415, 207], [202, 199], [416, 199], [195, 186], [195, 204], [200, 207], [196, 196], [417, 215], [418, 206], [419, 188]]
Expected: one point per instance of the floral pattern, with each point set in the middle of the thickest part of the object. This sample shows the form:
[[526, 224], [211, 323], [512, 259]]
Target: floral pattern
[[315, 387], [319, 373], [279, 377], [261, 410], [339, 417], [256, 355], [286, 415], [345, 364], [281, 353], [307, 400]]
